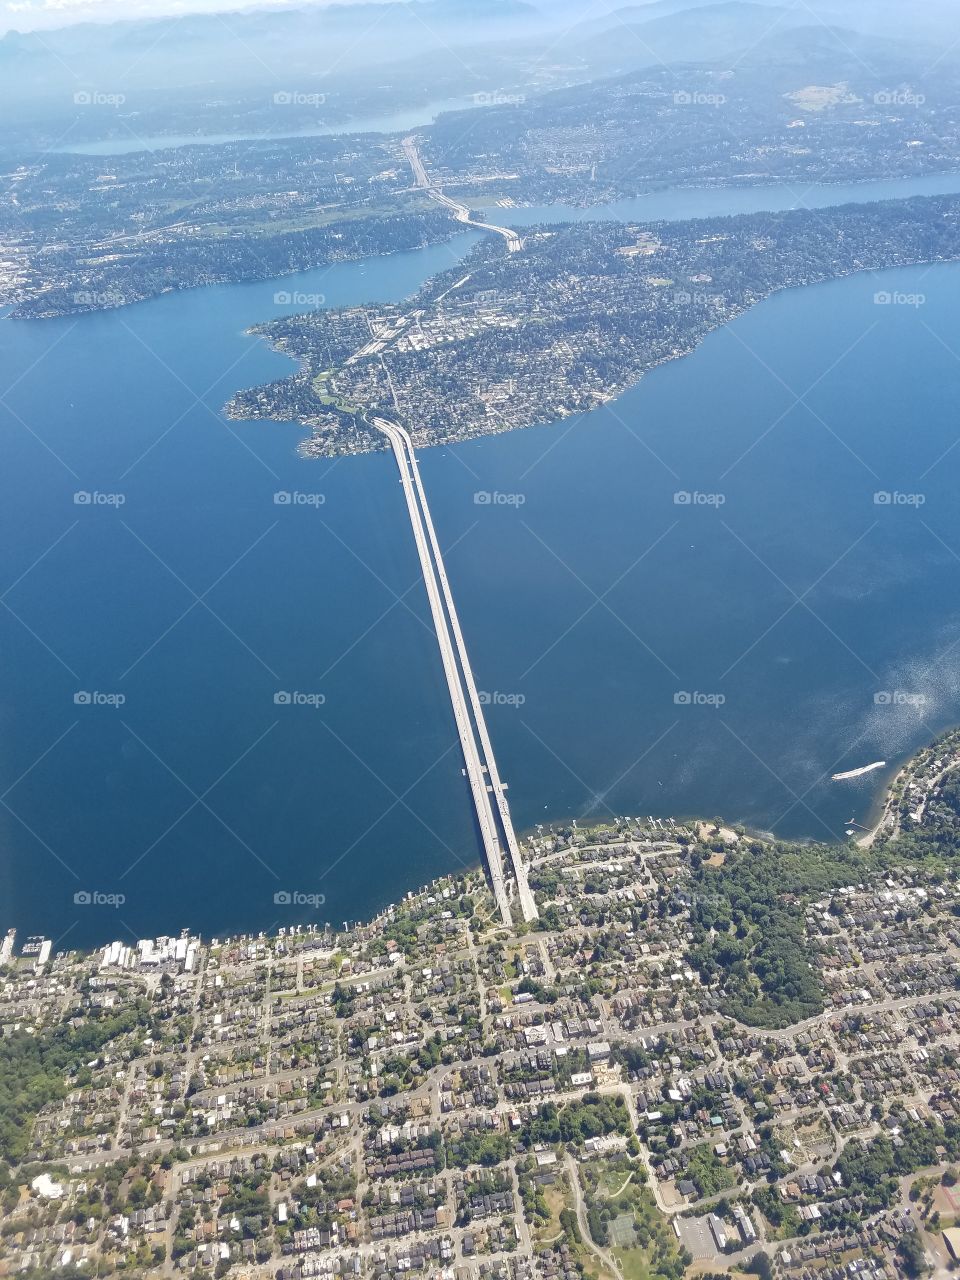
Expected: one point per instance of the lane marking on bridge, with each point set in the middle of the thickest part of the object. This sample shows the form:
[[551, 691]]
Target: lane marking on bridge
[[493, 816]]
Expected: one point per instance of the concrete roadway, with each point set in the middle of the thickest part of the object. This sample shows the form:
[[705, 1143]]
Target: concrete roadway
[[474, 766], [528, 905], [460, 211]]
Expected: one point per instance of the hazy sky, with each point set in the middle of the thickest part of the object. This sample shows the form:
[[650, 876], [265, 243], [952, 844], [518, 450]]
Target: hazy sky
[[33, 15]]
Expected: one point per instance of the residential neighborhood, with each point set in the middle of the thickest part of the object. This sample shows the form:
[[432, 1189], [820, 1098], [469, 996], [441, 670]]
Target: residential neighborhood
[[436, 1093]]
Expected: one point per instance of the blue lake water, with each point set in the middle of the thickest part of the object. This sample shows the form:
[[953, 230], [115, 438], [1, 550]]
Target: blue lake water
[[607, 619], [385, 122], [693, 202]]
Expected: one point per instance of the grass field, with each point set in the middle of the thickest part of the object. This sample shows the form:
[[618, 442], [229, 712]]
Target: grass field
[[628, 1212]]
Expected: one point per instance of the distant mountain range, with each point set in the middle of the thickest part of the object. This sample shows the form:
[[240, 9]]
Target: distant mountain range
[[684, 32], [937, 19], [738, 33], [259, 42], [206, 72]]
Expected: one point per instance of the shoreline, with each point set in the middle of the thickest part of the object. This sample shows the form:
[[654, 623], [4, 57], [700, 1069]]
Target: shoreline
[[661, 829], [9, 309], [449, 435], [883, 806]]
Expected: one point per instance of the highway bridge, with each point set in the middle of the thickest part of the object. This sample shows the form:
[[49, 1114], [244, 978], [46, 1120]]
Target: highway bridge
[[487, 789], [460, 211]]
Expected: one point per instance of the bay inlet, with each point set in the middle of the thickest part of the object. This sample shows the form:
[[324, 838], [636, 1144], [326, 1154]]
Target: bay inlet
[[638, 653]]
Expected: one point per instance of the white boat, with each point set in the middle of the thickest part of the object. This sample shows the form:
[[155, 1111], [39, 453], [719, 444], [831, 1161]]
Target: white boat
[[858, 773]]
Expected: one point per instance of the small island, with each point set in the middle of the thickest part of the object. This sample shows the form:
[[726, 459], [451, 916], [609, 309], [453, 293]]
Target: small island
[[507, 340]]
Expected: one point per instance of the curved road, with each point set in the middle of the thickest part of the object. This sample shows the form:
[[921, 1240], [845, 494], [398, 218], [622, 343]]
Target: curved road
[[460, 211]]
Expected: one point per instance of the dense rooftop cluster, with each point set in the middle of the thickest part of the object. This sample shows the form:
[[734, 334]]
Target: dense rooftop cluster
[[509, 340], [437, 1093], [80, 233]]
